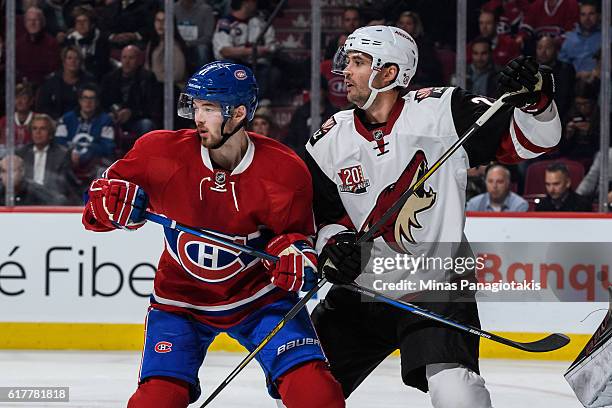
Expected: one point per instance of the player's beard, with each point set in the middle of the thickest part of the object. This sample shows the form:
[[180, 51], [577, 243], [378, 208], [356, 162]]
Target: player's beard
[[358, 96], [209, 140]]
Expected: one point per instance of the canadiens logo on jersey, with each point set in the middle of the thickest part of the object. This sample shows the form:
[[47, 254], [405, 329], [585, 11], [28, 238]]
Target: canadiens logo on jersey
[[207, 260], [398, 231], [352, 180]]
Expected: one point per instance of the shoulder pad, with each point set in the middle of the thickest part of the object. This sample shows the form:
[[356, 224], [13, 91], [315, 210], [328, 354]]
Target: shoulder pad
[[425, 93], [323, 130]]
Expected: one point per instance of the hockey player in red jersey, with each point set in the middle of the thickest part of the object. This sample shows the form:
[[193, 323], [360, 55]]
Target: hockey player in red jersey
[[244, 187], [362, 160]]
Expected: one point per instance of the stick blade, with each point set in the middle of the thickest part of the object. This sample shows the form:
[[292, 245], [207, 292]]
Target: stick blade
[[549, 343]]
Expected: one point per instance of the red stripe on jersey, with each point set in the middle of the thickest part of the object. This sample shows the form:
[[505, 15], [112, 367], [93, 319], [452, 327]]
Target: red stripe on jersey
[[526, 143], [506, 153]]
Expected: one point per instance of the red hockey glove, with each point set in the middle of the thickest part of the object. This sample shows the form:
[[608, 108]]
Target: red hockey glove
[[117, 203], [296, 268], [524, 72]]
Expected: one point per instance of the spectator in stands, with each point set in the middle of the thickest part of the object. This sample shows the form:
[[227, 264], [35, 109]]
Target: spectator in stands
[[584, 41], [481, 76], [299, 127], [89, 134], [24, 99], [132, 94], [589, 185], [510, 12], [581, 136], [58, 94], [564, 74], [351, 20], [233, 37], [263, 124], [476, 183], [547, 17], [58, 16], [125, 21], [559, 194], [2, 71], [429, 69], [37, 52], [498, 196], [503, 45], [154, 52], [336, 85], [373, 16], [47, 163], [196, 24], [27, 192], [91, 42]]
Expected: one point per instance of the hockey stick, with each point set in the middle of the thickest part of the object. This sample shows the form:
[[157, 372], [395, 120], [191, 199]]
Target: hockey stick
[[167, 222], [549, 343]]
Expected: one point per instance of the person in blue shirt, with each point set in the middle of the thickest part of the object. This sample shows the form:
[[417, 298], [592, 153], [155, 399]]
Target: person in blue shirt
[[582, 43], [498, 197], [89, 133]]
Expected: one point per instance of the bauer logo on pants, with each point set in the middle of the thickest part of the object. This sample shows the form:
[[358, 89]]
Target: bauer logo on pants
[[307, 341], [163, 347]]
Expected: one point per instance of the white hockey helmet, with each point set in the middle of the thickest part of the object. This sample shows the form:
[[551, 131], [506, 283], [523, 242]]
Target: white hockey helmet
[[385, 44]]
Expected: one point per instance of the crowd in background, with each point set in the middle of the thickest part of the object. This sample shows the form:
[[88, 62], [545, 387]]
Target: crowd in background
[[90, 82]]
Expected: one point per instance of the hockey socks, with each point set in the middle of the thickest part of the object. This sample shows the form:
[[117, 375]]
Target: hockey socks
[[310, 385], [161, 392]]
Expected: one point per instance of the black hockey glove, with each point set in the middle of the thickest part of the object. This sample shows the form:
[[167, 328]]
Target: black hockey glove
[[340, 261], [524, 72]]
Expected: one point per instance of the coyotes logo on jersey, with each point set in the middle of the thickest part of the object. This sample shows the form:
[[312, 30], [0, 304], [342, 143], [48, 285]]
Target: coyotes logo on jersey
[[398, 229]]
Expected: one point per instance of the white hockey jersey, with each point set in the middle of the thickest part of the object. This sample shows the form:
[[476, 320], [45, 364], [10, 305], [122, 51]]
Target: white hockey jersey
[[359, 170]]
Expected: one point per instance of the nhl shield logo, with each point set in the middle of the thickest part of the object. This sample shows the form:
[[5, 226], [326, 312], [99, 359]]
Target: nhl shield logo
[[220, 177], [378, 134]]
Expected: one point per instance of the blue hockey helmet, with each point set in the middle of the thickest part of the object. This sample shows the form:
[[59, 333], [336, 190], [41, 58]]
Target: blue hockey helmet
[[226, 83]]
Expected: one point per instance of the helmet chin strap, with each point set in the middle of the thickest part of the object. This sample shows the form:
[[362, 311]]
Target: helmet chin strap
[[226, 136], [374, 92]]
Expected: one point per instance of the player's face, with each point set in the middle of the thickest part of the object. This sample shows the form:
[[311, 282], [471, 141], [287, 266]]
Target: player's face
[[208, 119], [356, 77], [556, 184]]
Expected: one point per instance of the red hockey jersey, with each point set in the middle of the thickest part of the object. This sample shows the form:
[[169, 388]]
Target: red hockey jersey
[[267, 194]]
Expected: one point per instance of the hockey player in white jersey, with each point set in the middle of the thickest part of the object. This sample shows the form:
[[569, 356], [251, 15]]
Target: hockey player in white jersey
[[362, 160]]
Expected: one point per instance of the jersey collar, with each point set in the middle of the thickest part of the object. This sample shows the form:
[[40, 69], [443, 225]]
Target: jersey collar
[[385, 129], [246, 161]]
